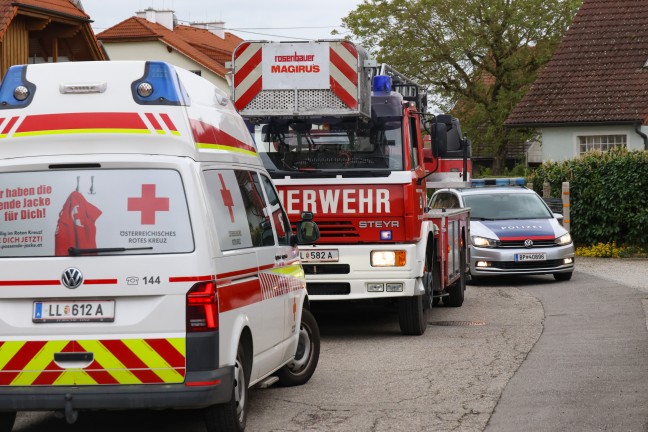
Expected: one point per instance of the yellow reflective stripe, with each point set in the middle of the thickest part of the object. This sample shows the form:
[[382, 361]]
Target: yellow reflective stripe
[[294, 270], [81, 377], [109, 362], [39, 362], [153, 360], [179, 344], [205, 146], [82, 131], [7, 352], [67, 377]]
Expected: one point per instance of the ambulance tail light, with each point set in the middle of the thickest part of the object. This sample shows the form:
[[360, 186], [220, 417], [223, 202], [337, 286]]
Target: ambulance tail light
[[160, 85], [16, 91], [202, 308]]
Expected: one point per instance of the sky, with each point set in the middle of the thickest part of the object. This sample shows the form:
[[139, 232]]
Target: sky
[[248, 19]]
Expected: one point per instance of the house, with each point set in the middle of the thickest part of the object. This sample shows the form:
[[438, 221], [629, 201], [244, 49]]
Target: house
[[37, 31], [593, 93], [153, 34]]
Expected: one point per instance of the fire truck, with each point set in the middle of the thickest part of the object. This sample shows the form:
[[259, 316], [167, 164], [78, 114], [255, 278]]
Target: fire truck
[[342, 137]]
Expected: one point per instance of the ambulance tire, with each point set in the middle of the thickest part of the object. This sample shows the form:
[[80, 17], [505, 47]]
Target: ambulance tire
[[301, 369], [232, 416], [7, 420], [412, 316], [455, 297]]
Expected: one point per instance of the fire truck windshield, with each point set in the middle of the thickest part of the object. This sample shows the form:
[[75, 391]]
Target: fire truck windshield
[[331, 147]]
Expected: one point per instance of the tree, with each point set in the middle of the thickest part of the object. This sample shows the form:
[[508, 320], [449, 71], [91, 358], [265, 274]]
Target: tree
[[478, 56]]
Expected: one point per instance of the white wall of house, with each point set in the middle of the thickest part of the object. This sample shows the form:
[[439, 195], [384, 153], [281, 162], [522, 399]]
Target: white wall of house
[[156, 50], [562, 143]]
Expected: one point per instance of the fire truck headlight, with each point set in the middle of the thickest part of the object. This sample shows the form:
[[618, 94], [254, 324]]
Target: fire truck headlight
[[484, 242], [388, 258], [564, 240]]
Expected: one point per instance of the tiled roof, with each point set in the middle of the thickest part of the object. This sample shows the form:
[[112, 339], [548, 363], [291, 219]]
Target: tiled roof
[[200, 45], [597, 74], [9, 9]]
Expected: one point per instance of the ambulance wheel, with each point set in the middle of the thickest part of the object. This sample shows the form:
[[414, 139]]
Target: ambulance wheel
[[455, 297], [302, 367], [560, 277], [412, 316], [232, 416], [7, 420]]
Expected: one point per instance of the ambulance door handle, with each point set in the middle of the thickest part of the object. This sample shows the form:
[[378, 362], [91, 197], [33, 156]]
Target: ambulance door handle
[[73, 360]]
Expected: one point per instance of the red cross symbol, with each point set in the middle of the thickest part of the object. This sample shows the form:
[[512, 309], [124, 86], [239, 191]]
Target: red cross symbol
[[148, 204], [227, 198]]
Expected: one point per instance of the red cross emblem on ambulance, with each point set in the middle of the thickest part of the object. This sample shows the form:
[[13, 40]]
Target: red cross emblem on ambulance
[[148, 204]]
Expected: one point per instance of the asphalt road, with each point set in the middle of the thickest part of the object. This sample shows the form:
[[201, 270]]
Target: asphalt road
[[523, 354]]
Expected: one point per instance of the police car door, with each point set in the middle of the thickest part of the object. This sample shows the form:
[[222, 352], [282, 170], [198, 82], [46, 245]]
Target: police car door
[[245, 233]]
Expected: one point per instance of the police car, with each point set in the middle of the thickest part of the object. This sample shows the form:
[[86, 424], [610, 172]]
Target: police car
[[512, 230], [146, 261]]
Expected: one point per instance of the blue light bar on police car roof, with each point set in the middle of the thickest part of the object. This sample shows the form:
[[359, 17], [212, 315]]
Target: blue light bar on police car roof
[[159, 86], [512, 181], [382, 84], [16, 91]]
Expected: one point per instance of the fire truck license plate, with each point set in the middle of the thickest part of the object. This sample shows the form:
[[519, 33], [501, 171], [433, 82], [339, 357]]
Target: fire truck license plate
[[74, 311], [310, 255], [530, 257]]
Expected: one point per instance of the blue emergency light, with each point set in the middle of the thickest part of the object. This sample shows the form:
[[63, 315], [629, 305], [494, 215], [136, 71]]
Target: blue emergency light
[[159, 86], [16, 91], [382, 84], [512, 181]]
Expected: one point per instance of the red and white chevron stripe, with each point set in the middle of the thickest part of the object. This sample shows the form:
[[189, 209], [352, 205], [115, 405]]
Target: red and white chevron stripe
[[344, 73], [248, 79]]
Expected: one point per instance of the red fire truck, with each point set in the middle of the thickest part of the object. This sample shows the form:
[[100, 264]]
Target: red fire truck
[[342, 137]]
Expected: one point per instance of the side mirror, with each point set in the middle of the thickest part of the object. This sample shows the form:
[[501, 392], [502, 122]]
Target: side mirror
[[559, 217], [307, 230]]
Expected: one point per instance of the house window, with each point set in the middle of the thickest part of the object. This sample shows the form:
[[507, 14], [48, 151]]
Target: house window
[[600, 142]]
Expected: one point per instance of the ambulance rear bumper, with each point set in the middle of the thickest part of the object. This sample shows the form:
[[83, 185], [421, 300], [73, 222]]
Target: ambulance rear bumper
[[209, 388]]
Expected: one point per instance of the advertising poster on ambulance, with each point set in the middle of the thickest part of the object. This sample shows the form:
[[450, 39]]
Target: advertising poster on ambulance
[[62, 213], [294, 66]]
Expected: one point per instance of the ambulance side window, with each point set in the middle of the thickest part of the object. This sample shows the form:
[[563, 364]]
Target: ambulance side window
[[282, 225], [255, 208]]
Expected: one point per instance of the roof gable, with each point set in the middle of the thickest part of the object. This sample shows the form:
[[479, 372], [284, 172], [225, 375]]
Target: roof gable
[[597, 74], [65, 8]]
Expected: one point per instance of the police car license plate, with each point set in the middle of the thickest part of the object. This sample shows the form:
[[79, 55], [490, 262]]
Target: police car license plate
[[74, 311], [319, 255], [540, 256]]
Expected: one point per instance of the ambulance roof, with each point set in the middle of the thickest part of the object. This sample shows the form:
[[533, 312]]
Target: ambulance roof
[[119, 107]]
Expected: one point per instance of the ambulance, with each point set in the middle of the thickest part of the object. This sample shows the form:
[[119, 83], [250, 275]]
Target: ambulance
[[146, 261]]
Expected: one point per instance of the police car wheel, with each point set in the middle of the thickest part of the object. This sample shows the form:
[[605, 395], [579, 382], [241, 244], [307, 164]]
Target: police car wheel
[[562, 276], [232, 416], [7, 420], [299, 370]]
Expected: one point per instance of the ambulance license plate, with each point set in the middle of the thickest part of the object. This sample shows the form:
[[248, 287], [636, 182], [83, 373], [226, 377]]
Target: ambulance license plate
[[319, 255], [74, 311], [522, 257]]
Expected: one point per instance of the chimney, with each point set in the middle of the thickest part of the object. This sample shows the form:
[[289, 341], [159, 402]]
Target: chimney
[[215, 27], [163, 17]]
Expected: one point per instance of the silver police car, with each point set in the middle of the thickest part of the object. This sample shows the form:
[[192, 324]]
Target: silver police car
[[512, 230]]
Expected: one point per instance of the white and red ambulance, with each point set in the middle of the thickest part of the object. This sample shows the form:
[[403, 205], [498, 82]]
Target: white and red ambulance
[[145, 258]]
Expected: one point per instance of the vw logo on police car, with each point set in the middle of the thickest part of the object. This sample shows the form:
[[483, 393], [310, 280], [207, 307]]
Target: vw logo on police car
[[528, 243], [72, 278]]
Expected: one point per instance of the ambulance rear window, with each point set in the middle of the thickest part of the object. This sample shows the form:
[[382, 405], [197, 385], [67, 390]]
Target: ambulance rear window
[[93, 213]]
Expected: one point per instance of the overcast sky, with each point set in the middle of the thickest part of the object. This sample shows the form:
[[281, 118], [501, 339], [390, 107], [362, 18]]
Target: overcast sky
[[248, 19]]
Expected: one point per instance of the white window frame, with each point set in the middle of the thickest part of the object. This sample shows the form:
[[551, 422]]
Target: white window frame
[[579, 135]]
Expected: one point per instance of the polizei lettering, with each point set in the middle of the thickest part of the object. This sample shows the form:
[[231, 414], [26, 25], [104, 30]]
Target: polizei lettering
[[336, 201], [517, 227]]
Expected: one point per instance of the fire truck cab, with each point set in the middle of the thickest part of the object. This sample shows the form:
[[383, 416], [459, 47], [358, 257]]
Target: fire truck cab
[[342, 137], [146, 261]]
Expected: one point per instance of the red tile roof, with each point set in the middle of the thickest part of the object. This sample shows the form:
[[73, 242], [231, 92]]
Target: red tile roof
[[200, 45], [597, 74], [9, 9]]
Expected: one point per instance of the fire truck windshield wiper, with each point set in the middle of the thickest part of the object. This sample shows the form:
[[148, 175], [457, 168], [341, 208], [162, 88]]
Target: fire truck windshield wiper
[[72, 251]]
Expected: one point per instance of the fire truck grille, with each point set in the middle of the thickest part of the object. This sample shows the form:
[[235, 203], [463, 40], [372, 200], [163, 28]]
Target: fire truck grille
[[520, 244], [331, 230], [531, 265], [326, 288], [307, 100], [320, 269]]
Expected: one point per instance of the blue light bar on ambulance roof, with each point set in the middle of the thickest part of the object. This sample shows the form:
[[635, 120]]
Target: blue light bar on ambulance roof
[[513, 181], [159, 86], [16, 91], [382, 84]]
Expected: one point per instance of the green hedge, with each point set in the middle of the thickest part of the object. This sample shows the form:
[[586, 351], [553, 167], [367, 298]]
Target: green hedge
[[609, 195]]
